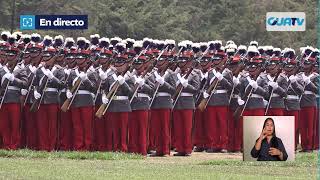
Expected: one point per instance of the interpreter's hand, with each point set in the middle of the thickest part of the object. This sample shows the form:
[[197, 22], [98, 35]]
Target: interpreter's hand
[[274, 152]]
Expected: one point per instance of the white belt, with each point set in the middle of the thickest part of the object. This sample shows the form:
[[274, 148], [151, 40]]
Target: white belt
[[120, 97], [256, 96], [13, 88], [186, 94], [142, 95], [275, 95], [308, 92], [292, 97], [235, 96], [84, 92], [51, 90], [163, 94], [220, 91], [64, 90]]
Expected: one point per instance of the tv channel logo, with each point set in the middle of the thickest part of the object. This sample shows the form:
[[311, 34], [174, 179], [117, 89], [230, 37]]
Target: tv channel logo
[[27, 22], [286, 21]]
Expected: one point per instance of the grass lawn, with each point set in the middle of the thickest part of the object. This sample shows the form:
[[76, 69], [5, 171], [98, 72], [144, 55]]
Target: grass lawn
[[25, 164]]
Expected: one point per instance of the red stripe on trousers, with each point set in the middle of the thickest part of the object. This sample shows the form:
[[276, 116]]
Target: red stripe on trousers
[[30, 124], [117, 128], [47, 119], [307, 116], [182, 123], [216, 123], [137, 131], [65, 131], [82, 119], [160, 134], [239, 125], [10, 125], [295, 113], [199, 128]]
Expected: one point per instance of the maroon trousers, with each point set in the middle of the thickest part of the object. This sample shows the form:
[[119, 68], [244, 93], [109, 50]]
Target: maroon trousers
[[65, 131], [100, 132], [10, 125], [117, 128], [216, 123], [82, 119], [239, 125], [47, 119], [295, 113], [30, 124], [160, 130], [137, 130], [182, 123], [232, 129], [199, 128], [307, 116], [275, 112]]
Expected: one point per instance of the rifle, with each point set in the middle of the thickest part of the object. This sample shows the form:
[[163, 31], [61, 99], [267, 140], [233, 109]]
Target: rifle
[[269, 101], [104, 107], [136, 86], [158, 84], [204, 101], [6, 82]]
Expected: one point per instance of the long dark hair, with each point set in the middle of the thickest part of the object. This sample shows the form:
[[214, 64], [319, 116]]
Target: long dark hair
[[274, 139]]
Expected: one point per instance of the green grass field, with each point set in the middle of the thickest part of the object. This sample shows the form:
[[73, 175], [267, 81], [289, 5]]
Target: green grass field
[[25, 164]]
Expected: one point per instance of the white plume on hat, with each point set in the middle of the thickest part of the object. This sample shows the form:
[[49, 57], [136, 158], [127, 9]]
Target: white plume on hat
[[5, 33], [218, 42], [182, 44], [69, 39], [26, 36], [229, 42], [94, 36], [253, 49], [276, 50], [81, 39], [46, 37], [254, 43], [130, 40], [231, 46], [104, 39], [196, 45], [59, 37], [35, 35], [211, 42], [138, 44], [222, 48], [269, 48], [121, 44], [242, 47], [170, 42], [17, 33], [13, 36]]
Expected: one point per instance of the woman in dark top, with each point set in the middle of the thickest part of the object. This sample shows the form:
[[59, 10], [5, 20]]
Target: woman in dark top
[[268, 147]]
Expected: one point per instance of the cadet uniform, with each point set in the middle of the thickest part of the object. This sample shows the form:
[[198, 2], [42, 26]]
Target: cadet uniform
[[10, 114], [183, 114]]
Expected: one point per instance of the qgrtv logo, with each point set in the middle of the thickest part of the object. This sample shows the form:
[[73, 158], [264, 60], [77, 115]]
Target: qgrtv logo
[[286, 21], [29, 22]]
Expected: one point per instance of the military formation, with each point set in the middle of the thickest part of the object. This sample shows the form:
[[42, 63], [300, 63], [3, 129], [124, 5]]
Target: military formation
[[149, 96]]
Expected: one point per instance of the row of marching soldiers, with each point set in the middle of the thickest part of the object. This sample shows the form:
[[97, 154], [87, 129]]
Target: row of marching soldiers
[[149, 96]]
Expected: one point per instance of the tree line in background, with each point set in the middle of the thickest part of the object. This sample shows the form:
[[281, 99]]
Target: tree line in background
[[200, 20]]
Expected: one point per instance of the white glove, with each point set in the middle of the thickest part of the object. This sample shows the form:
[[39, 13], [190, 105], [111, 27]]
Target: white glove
[[103, 75], [33, 69], [306, 79], [36, 95], [205, 95], [69, 94], [83, 76], [219, 76], [105, 100], [160, 80], [140, 81], [184, 82], [293, 78], [235, 81], [240, 101], [205, 76], [274, 85], [9, 76], [48, 73], [253, 84], [121, 79], [67, 71], [24, 92]]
